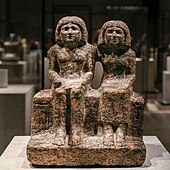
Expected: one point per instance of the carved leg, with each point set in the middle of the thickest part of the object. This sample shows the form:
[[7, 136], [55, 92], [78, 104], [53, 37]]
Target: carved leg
[[107, 117], [121, 106], [77, 118], [120, 134], [60, 107], [91, 114], [106, 108], [108, 138]]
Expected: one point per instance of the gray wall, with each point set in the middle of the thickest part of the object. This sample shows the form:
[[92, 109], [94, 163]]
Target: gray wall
[[22, 17]]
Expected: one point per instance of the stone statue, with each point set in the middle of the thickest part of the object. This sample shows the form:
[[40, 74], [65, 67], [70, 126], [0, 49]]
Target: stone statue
[[119, 62], [76, 125], [70, 71]]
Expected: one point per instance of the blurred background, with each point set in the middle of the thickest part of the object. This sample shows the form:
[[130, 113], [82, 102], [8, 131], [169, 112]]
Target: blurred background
[[27, 30]]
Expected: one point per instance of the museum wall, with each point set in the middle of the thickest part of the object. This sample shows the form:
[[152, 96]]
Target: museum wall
[[25, 17], [21, 17]]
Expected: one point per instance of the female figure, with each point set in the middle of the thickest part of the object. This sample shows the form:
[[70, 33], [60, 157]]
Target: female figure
[[70, 71], [118, 61]]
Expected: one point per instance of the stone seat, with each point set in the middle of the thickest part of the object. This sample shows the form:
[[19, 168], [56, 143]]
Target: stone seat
[[42, 112], [40, 146], [136, 115]]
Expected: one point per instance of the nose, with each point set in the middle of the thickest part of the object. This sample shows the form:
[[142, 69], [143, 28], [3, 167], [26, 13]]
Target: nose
[[114, 34], [70, 31]]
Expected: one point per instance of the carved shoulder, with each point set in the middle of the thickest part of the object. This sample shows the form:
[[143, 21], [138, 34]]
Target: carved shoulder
[[131, 53], [90, 48], [51, 53]]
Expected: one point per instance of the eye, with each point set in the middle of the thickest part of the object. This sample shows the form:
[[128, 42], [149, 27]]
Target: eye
[[66, 28], [119, 32], [73, 28], [110, 31]]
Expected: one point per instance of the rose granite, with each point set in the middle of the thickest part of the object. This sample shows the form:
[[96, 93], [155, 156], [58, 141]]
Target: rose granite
[[76, 125]]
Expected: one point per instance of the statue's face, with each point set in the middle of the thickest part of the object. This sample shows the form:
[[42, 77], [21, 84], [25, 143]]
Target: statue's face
[[70, 33], [114, 36]]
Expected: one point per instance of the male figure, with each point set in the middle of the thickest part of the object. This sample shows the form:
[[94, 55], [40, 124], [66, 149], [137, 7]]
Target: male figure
[[70, 71]]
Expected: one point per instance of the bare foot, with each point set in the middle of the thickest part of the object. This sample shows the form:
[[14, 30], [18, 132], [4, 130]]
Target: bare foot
[[60, 137], [120, 136], [75, 140], [59, 140], [108, 139]]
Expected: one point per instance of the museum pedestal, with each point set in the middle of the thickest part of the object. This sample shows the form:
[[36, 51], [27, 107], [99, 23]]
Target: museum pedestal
[[14, 157], [16, 71], [47, 83], [156, 112], [165, 87], [151, 76], [15, 112], [138, 84], [3, 78], [142, 82]]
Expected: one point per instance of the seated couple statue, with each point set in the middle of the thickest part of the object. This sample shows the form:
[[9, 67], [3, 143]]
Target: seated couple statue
[[74, 124]]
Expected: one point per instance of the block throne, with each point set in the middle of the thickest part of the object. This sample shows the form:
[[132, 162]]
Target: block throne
[[76, 125]]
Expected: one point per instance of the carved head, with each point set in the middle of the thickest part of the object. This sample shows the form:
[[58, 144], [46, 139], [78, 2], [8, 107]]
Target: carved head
[[112, 33], [71, 29], [114, 36]]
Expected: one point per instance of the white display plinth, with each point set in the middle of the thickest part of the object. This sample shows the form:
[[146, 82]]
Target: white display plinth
[[16, 71], [3, 78], [47, 83], [168, 63], [166, 87], [138, 84], [14, 157], [15, 112]]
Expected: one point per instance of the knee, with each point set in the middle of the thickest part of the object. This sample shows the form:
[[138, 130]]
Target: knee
[[76, 92]]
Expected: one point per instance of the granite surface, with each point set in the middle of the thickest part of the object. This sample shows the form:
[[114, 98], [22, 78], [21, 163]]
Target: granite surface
[[15, 157], [76, 125]]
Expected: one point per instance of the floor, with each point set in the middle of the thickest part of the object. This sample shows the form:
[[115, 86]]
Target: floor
[[157, 121]]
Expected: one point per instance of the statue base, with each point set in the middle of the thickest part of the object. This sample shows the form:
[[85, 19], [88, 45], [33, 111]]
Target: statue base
[[41, 151]]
